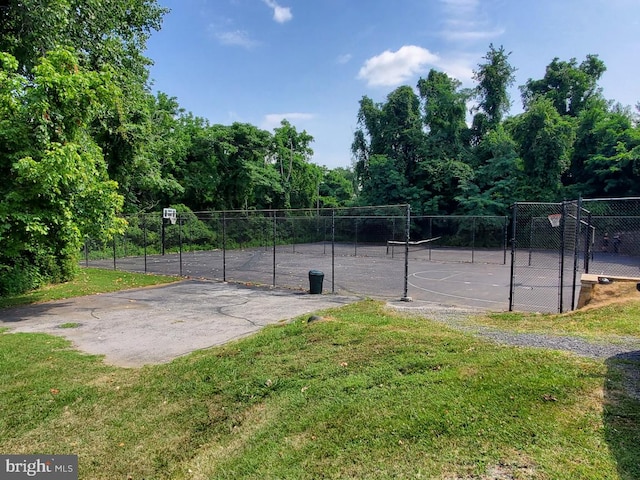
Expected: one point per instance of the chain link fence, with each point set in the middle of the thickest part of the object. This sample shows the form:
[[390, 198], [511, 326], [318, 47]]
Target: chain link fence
[[554, 243], [267, 247], [371, 250]]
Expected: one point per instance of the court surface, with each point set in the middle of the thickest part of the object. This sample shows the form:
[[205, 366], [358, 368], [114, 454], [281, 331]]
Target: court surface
[[132, 328]]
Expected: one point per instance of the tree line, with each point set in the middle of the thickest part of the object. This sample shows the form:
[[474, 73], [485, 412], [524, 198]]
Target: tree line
[[83, 140], [425, 146]]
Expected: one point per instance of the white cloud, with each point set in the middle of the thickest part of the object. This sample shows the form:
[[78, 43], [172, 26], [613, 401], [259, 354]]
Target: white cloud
[[393, 68], [280, 14], [238, 38], [272, 120], [343, 59]]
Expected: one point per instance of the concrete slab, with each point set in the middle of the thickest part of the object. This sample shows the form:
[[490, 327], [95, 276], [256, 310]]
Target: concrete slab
[[132, 328]]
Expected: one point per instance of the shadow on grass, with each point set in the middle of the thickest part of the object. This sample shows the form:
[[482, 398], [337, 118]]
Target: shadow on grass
[[622, 412]]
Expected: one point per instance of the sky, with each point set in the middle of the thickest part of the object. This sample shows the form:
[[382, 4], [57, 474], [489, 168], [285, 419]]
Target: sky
[[312, 61]]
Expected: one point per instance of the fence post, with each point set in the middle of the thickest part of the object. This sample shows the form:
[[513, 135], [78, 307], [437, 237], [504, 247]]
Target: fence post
[[505, 239], [275, 233], [144, 240], [224, 247], [514, 231], [576, 244], [333, 250], [114, 253], [430, 235], [473, 240], [588, 244], [563, 225], [355, 251], [405, 296], [162, 235], [86, 251], [180, 242]]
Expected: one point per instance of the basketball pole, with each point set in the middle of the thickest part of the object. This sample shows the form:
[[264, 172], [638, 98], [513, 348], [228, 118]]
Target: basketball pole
[[405, 296]]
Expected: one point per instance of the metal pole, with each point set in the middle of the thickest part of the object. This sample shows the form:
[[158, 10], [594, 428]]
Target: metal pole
[[430, 235], [588, 244], [513, 255], [324, 238], [333, 250], [563, 224], [86, 252], [180, 242], [405, 296], [576, 253], [473, 240], [114, 252], [505, 239], [356, 243], [275, 233], [162, 236], [531, 240], [224, 247], [144, 240]]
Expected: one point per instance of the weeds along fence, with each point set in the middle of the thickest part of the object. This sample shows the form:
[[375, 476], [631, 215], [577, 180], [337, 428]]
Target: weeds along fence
[[364, 250]]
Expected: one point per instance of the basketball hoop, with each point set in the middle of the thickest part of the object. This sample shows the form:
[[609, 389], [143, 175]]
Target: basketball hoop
[[170, 214], [554, 219]]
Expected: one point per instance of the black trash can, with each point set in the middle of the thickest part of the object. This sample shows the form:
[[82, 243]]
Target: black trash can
[[315, 281]]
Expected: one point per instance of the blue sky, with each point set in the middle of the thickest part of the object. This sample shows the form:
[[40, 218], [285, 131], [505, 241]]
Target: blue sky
[[311, 61]]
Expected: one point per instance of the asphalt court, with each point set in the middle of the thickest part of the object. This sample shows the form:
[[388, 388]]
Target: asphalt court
[[135, 327]]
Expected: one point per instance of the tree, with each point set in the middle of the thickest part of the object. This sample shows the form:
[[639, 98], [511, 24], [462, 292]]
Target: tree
[[445, 113], [545, 140], [569, 86], [392, 130], [56, 189], [290, 152], [499, 178], [100, 33], [494, 77]]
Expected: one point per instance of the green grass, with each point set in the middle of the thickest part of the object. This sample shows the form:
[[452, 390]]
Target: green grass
[[361, 394], [89, 281], [605, 323]]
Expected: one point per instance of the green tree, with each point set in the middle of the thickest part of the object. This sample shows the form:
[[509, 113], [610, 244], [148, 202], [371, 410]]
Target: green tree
[[290, 153], [494, 78], [101, 33], [499, 179], [545, 140], [445, 114], [606, 156], [569, 86], [337, 187], [56, 187]]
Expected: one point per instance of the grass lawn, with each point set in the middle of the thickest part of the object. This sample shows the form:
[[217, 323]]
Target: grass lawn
[[613, 313], [363, 393], [88, 282]]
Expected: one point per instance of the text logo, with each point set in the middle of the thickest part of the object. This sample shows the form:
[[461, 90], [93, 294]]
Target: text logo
[[44, 467]]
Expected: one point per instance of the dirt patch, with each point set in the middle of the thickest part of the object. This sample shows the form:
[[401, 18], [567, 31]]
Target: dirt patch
[[611, 293]]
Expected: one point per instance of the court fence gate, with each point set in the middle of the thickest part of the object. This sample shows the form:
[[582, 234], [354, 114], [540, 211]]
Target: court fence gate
[[553, 244]]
